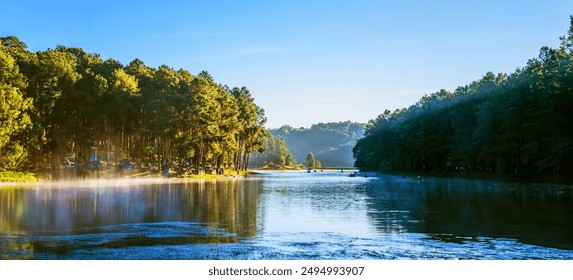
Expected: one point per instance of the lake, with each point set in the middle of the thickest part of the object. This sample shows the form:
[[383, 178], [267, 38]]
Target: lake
[[287, 215]]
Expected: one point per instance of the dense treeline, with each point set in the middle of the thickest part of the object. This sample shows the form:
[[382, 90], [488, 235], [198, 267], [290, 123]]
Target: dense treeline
[[63, 105], [275, 156], [330, 143], [517, 126]]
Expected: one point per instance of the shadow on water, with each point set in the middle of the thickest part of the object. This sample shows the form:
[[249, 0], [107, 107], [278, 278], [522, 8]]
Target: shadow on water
[[460, 210], [44, 222]]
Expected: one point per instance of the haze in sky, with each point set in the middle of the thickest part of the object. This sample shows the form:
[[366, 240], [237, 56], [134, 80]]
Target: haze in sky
[[306, 61]]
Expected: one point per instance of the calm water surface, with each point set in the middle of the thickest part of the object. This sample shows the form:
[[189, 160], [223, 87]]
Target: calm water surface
[[287, 215]]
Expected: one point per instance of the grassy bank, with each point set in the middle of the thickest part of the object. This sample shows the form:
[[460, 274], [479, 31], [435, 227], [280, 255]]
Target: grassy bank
[[20, 177], [226, 174], [27, 177], [282, 167]]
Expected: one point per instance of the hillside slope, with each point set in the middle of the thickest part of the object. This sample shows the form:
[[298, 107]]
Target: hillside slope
[[331, 143]]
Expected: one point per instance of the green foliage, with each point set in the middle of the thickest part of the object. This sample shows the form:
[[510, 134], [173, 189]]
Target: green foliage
[[80, 105], [14, 109], [310, 161], [252, 120], [518, 126], [14, 156], [331, 142], [10, 176], [276, 154]]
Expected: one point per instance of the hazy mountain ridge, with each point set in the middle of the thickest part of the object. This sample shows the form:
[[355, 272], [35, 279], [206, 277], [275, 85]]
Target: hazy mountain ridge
[[331, 143]]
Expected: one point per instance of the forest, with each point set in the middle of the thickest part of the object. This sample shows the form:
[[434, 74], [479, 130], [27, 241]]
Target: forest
[[515, 127], [330, 143], [276, 155], [63, 107]]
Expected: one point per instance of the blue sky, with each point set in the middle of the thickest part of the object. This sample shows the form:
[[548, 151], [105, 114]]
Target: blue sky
[[306, 61]]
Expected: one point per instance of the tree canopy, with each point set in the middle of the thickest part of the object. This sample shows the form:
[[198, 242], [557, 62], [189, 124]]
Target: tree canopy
[[62, 105], [310, 161], [276, 154], [517, 126]]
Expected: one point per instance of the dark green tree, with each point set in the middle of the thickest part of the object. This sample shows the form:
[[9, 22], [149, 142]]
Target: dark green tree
[[516, 126]]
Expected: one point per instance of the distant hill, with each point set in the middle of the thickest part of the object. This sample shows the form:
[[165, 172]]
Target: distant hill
[[331, 143]]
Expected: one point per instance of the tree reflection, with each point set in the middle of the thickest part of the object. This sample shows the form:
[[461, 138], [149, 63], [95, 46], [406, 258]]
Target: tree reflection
[[456, 210], [182, 213]]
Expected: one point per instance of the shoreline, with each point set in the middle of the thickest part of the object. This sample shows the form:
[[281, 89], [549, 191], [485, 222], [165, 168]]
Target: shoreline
[[143, 178], [124, 181], [154, 178], [479, 176]]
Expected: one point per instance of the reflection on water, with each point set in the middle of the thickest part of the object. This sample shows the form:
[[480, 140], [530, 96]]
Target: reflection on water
[[289, 215], [318, 202], [455, 210], [57, 219]]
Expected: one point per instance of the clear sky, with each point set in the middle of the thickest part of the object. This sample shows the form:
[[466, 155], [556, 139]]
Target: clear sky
[[306, 61]]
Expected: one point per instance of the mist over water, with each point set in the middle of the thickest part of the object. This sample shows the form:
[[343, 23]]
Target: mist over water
[[286, 215]]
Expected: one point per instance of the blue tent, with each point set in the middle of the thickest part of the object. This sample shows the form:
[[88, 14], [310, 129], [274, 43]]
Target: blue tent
[[127, 165]]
